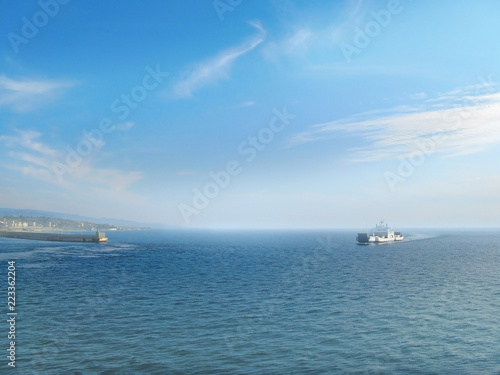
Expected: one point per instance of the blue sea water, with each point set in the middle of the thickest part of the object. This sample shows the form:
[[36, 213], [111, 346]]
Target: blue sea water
[[250, 302]]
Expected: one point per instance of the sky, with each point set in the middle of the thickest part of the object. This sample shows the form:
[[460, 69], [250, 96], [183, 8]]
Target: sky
[[253, 114]]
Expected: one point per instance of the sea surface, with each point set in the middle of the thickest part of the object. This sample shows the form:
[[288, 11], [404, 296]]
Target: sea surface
[[256, 302]]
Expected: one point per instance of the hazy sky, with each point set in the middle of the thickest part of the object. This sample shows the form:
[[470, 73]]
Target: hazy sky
[[239, 113]]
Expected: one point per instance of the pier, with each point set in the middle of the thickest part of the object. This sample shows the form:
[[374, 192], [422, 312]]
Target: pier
[[60, 237]]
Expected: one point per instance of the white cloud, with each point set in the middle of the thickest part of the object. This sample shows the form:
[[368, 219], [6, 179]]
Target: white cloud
[[124, 126], [41, 174], [35, 159], [217, 68], [30, 158], [299, 39], [456, 123], [110, 178], [26, 139], [418, 95], [314, 42], [27, 94], [249, 103], [353, 15], [295, 45]]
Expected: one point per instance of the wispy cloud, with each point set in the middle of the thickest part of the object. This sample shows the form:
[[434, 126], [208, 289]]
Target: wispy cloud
[[316, 45], [299, 39], [418, 95], [314, 42], [110, 178], [27, 140], [354, 14], [249, 103], [465, 120], [214, 69], [23, 95], [295, 45], [124, 126], [33, 158], [28, 155]]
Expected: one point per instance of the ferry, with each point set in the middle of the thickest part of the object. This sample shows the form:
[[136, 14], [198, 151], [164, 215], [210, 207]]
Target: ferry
[[380, 234]]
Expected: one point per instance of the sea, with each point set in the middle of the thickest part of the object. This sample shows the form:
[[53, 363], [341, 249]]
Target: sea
[[255, 302]]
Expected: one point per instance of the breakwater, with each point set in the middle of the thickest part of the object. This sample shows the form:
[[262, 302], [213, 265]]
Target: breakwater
[[61, 237]]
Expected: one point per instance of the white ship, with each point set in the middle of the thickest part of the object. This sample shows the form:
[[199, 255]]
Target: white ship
[[380, 234]]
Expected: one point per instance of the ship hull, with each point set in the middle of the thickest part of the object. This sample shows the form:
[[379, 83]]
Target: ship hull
[[379, 241]]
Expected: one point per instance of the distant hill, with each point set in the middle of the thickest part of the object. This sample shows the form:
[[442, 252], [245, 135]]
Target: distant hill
[[59, 215]]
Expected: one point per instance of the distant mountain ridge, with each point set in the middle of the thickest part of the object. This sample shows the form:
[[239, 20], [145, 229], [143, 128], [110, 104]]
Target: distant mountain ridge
[[59, 215]]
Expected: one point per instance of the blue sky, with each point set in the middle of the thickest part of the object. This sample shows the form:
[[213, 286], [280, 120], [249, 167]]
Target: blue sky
[[253, 114]]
